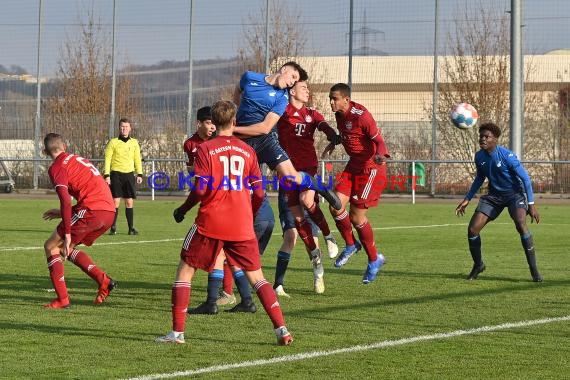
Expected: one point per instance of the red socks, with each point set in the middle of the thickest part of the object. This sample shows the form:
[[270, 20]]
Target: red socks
[[86, 264], [344, 226], [366, 236], [180, 299], [270, 303], [55, 266], [228, 279], [317, 216], [306, 234]]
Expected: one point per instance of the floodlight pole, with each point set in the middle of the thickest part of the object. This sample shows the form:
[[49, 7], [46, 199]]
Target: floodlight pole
[[516, 87], [37, 128], [190, 69], [435, 99], [350, 32], [113, 74]]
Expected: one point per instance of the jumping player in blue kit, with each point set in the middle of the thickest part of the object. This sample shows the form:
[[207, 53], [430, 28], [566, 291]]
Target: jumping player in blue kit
[[509, 186], [262, 100]]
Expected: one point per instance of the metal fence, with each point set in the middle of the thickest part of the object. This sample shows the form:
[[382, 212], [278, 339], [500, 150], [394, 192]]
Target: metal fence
[[163, 176], [179, 55]]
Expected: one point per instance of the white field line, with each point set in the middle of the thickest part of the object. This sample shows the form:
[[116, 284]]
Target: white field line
[[10, 249], [349, 350]]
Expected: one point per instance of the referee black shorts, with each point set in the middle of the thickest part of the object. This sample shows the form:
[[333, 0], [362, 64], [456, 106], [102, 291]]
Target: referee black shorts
[[123, 185]]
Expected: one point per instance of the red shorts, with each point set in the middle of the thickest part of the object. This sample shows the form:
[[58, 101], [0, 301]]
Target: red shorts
[[87, 225], [363, 188], [200, 252]]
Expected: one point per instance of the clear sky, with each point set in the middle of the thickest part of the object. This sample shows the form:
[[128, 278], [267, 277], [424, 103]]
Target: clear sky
[[150, 31]]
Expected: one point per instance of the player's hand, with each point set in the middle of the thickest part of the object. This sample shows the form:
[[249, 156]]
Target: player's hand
[[334, 139], [328, 150], [66, 246], [379, 159], [460, 209], [53, 213], [178, 215], [533, 212]]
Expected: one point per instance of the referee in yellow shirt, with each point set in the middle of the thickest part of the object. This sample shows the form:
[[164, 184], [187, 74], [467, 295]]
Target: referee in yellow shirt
[[122, 162]]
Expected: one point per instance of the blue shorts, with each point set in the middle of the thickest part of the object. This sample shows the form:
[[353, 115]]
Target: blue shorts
[[268, 150], [492, 205], [286, 217], [263, 225]]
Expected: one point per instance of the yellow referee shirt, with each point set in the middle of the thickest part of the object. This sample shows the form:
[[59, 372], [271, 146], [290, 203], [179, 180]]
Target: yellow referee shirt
[[123, 156]]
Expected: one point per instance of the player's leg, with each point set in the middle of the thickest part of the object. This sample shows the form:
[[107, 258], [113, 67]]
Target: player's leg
[[303, 179], [518, 212], [271, 153], [366, 237], [342, 219], [215, 278], [198, 252], [476, 224], [226, 296], [113, 230], [488, 209], [117, 192], [287, 222], [245, 254], [88, 226], [129, 194], [52, 248], [309, 201], [268, 299], [180, 297]]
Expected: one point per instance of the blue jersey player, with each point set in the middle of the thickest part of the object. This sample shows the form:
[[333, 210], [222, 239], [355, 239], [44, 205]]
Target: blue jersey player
[[262, 100], [509, 186]]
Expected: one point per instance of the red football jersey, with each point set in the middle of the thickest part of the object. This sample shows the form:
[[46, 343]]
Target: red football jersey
[[190, 146], [226, 166], [83, 181], [296, 129], [357, 128]]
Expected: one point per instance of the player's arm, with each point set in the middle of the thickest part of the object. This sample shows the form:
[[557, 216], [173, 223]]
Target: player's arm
[[332, 136], [108, 157], [236, 97], [257, 198], [199, 188], [65, 212], [477, 182], [258, 129], [521, 172], [138, 161]]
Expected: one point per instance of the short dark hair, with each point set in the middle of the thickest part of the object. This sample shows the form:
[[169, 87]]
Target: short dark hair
[[491, 127], [204, 113], [53, 142], [125, 120], [223, 111], [303, 76], [343, 88]]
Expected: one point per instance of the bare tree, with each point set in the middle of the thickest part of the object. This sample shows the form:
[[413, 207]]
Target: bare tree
[[287, 37], [80, 105], [476, 71]]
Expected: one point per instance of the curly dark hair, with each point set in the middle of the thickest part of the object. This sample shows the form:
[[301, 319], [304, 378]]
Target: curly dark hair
[[491, 127]]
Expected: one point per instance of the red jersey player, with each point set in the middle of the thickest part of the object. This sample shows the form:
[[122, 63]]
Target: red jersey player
[[296, 129], [362, 180], [92, 215], [204, 130], [226, 170]]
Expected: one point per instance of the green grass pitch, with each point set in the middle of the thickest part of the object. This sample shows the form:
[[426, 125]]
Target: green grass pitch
[[351, 331]]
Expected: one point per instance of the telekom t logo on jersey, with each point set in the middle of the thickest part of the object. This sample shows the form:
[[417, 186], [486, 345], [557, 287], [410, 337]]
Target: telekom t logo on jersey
[[300, 129]]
